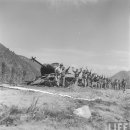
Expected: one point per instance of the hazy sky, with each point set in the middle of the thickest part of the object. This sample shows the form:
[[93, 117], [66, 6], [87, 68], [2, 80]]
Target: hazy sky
[[93, 33]]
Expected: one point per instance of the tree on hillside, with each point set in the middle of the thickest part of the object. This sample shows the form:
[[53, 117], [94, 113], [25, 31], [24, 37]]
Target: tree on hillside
[[19, 76], [12, 75], [23, 75], [3, 67]]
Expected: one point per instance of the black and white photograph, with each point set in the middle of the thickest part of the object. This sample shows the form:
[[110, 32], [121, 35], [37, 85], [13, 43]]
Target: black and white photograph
[[64, 65]]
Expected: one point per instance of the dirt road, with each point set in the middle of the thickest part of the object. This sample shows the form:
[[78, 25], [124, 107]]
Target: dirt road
[[41, 91]]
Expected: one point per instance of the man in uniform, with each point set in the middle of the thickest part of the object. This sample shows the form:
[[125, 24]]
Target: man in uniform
[[116, 84], [63, 74], [58, 72], [76, 74], [123, 83], [84, 77]]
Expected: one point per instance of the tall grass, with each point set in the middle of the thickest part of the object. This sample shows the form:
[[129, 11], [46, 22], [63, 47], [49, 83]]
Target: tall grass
[[9, 115], [64, 118], [14, 115]]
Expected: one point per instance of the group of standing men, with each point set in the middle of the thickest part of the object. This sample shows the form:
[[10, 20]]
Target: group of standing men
[[60, 74], [87, 78]]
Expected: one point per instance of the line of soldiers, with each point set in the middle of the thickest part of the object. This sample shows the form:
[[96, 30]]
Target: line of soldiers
[[87, 79]]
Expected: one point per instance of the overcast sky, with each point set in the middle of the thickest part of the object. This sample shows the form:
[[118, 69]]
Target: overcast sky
[[93, 33]]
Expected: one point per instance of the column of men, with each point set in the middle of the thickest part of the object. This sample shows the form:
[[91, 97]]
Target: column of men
[[88, 78]]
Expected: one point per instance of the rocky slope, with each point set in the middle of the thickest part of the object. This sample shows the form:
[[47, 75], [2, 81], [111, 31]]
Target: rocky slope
[[15, 68]]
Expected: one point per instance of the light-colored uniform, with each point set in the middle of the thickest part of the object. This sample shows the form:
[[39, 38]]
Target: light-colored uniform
[[76, 74], [63, 74], [58, 72], [84, 77]]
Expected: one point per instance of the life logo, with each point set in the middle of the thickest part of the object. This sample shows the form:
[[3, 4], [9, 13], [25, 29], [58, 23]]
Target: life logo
[[118, 126]]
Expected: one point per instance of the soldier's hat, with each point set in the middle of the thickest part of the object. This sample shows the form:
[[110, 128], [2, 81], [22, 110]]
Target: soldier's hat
[[61, 64]]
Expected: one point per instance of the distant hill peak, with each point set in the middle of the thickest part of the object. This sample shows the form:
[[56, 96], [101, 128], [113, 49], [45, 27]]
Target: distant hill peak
[[122, 75]]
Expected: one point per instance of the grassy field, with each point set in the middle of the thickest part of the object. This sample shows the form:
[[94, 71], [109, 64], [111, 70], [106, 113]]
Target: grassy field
[[22, 110]]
